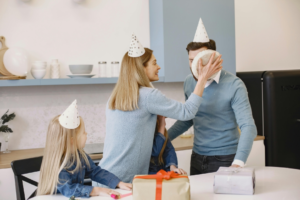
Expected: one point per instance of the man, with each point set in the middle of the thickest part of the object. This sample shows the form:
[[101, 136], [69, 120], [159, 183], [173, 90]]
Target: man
[[225, 106]]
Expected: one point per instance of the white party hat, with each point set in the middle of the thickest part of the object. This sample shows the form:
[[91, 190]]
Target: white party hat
[[201, 34], [70, 118], [136, 49]]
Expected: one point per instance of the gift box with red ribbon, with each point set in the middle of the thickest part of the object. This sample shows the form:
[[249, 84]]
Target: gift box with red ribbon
[[161, 186]]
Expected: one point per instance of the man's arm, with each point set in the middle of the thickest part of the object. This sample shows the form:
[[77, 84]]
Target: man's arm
[[180, 126], [242, 110]]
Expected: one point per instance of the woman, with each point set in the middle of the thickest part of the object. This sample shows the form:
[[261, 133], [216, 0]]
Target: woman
[[132, 111]]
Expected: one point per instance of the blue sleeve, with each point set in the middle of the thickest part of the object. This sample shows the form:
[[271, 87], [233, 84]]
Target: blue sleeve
[[67, 188], [159, 104], [180, 126], [169, 155], [242, 110], [96, 173], [159, 140]]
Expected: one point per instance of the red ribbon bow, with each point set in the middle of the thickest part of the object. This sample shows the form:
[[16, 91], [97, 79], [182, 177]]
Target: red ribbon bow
[[159, 178]]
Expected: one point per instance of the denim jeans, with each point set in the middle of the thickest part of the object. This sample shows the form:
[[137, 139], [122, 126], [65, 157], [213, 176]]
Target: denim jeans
[[206, 164]]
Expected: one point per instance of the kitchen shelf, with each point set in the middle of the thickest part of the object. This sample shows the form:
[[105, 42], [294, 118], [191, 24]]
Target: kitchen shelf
[[64, 81]]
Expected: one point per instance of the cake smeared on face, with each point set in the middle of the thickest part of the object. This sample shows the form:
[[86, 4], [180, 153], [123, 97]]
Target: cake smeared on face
[[205, 55]]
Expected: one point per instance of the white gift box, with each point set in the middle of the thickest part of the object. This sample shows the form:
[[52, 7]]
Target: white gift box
[[229, 180]]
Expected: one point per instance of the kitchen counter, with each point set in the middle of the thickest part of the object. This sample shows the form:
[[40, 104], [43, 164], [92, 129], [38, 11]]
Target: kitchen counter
[[5, 159]]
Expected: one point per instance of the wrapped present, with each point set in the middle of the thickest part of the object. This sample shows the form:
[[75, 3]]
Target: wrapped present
[[161, 186], [229, 180]]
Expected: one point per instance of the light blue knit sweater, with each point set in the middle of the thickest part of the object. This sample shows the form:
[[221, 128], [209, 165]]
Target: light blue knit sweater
[[129, 135], [225, 106]]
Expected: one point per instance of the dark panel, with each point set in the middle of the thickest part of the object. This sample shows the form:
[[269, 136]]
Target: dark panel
[[282, 118], [253, 82]]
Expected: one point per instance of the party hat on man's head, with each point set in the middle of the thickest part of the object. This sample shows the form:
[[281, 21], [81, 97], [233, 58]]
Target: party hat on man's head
[[201, 34], [136, 49], [70, 118]]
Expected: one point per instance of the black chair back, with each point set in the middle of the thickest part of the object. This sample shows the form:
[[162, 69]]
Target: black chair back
[[25, 166]]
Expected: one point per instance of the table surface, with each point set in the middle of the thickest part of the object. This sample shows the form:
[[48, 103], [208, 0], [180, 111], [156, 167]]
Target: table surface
[[271, 183], [5, 159]]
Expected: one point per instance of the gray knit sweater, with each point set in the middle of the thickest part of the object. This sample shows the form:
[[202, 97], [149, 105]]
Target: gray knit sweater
[[129, 135]]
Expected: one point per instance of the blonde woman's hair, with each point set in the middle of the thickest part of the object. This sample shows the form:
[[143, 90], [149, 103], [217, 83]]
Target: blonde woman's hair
[[61, 152], [125, 95]]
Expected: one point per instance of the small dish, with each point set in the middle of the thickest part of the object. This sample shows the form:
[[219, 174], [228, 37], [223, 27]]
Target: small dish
[[81, 75]]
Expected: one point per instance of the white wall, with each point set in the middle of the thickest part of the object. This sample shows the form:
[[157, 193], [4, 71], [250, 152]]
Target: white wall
[[97, 30], [35, 106], [267, 34]]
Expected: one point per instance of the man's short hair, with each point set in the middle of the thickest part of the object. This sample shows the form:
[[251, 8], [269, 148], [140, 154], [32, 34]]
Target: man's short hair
[[197, 45]]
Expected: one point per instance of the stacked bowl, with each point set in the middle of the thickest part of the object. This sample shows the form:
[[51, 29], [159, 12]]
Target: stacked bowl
[[38, 69]]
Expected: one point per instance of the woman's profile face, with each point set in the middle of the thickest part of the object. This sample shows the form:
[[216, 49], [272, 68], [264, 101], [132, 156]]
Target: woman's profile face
[[152, 69]]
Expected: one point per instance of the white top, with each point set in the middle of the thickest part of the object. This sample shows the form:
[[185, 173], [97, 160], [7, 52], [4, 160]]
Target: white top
[[271, 183]]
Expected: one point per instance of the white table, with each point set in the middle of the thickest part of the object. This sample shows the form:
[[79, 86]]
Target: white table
[[271, 183]]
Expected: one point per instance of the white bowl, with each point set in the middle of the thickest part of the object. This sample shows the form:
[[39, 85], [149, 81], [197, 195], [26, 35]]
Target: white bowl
[[39, 66], [81, 69], [38, 73]]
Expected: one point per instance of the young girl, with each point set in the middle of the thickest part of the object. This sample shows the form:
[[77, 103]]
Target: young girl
[[163, 153], [65, 164]]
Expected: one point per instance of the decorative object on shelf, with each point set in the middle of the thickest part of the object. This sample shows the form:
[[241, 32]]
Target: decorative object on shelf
[[5, 129], [109, 70], [4, 48], [189, 133], [16, 61], [55, 69], [81, 69], [12, 77], [102, 69], [38, 69], [80, 75], [115, 69]]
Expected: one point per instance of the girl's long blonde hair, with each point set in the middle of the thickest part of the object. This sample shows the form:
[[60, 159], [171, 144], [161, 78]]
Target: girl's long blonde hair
[[125, 95], [61, 152]]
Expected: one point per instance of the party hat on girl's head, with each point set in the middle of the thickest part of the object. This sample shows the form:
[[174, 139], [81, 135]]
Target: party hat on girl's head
[[70, 118], [201, 35], [136, 49]]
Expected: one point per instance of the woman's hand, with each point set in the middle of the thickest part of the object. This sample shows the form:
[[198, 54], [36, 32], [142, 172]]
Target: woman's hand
[[178, 170], [98, 191], [212, 67], [125, 186], [162, 124]]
